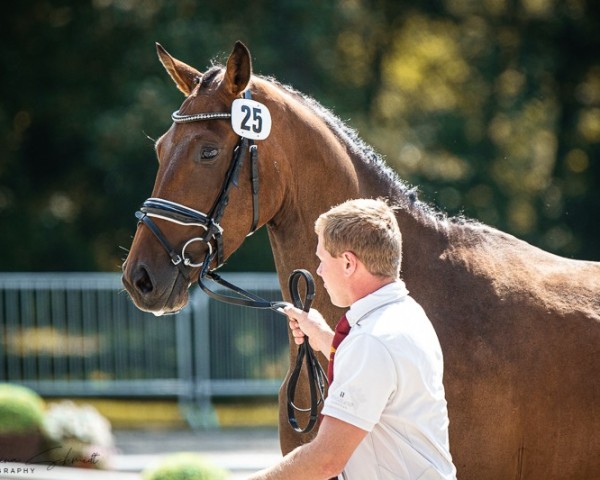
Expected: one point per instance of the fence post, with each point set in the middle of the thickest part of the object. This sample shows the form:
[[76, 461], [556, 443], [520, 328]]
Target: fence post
[[200, 413]]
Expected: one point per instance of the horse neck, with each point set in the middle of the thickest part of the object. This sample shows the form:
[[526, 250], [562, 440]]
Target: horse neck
[[322, 170], [314, 172]]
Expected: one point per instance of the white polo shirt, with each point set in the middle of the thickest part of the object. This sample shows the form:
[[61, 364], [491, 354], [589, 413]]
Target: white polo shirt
[[388, 381]]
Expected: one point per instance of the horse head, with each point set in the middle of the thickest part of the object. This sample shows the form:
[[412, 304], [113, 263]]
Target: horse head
[[206, 181]]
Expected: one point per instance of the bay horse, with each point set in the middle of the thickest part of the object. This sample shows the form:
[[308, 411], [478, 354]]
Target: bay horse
[[519, 327]]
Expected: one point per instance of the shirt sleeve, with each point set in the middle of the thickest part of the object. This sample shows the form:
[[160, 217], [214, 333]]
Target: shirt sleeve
[[365, 378]]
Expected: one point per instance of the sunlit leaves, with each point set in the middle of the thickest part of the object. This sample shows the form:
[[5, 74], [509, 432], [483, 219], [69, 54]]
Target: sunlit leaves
[[472, 109], [490, 107], [424, 68]]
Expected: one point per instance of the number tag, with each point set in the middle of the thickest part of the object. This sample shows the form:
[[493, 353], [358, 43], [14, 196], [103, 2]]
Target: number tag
[[250, 119]]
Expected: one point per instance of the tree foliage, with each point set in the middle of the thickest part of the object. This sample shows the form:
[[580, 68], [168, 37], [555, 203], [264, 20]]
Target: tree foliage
[[491, 107]]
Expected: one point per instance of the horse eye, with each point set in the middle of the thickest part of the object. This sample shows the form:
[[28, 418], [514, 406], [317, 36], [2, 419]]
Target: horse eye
[[208, 153]]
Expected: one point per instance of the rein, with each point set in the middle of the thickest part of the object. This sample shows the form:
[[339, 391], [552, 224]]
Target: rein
[[182, 215], [317, 377]]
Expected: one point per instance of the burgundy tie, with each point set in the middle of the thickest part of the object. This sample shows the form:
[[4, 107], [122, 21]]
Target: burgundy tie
[[341, 331]]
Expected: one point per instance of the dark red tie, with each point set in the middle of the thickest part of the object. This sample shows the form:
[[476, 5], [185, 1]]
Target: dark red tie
[[341, 331]]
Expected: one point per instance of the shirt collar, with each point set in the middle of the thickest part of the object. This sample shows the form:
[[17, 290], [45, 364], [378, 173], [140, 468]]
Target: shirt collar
[[390, 293]]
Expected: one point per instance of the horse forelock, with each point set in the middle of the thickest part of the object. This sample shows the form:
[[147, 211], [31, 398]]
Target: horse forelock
[[210, 75]]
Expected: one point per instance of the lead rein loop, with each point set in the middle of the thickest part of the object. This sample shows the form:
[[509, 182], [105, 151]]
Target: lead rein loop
[[317, 379], [316, 375]]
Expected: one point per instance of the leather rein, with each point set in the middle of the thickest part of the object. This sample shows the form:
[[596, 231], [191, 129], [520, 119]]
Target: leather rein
[[213, 233]]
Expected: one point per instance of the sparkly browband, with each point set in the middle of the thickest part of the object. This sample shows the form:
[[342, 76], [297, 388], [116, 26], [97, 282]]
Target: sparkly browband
[[177, 118]]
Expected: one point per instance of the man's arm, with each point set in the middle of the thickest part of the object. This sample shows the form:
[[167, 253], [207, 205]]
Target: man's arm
[[323, 458]]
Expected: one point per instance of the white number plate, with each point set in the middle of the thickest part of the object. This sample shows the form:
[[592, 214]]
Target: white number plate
[[250, 119]]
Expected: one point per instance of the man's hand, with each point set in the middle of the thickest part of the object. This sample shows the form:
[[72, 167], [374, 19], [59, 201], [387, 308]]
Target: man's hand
[[311, 324]]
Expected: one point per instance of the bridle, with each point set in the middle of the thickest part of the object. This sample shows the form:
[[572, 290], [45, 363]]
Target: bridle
[[209, 222], [213, 233]]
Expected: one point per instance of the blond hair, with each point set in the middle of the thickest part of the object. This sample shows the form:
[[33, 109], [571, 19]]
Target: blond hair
[[369, 229]]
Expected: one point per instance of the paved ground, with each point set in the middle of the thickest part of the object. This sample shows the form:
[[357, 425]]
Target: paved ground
[[241, 451]]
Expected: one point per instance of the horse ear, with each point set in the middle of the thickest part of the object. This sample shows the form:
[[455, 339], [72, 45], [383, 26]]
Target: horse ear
[[239, 69], [184, 76]]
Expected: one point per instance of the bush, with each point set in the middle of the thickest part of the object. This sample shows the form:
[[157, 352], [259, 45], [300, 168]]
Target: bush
[[79, 435], [21, 410], [21, 419], [185, 466]]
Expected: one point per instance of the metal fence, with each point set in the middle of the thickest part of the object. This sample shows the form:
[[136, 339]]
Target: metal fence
[[77, 335]]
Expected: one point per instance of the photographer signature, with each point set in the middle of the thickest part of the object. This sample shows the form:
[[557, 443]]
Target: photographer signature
[[52, 458]]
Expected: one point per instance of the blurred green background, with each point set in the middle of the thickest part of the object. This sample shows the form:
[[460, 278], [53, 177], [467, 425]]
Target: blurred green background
[[490, 107]]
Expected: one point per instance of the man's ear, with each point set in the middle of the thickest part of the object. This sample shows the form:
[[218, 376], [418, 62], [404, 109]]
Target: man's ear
[[350, 262]]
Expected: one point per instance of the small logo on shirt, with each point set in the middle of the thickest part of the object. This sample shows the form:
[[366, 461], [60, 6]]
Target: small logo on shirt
[[343, 400]]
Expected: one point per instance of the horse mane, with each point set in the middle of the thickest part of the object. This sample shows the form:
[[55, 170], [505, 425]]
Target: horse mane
[[404, 195]]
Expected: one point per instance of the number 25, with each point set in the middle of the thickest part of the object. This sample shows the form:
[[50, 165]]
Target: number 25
[[255, 113]]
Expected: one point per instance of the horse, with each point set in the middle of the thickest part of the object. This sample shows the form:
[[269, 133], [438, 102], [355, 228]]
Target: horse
[[519, 327]]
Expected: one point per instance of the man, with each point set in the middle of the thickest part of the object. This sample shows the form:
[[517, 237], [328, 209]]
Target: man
[[385, 416]]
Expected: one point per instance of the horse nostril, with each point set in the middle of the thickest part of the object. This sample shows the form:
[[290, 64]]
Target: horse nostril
[[143, 282]]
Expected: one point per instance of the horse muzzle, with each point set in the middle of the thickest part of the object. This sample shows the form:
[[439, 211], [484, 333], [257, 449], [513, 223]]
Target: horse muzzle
[[156, 290]]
